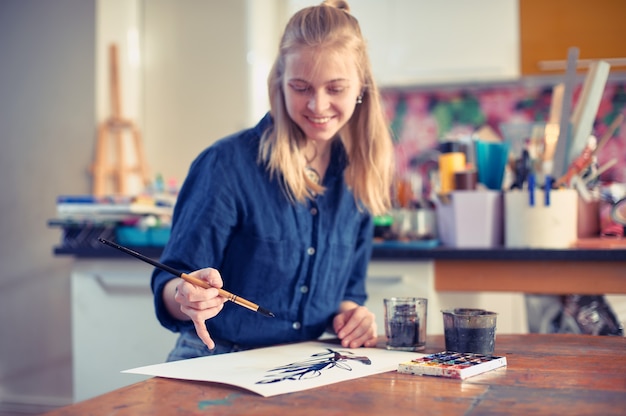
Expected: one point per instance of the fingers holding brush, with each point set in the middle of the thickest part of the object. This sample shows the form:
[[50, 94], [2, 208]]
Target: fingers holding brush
[[200, 304]]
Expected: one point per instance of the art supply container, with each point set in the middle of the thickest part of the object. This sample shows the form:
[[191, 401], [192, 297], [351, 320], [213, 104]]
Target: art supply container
[[588, 225], [491, 160], [405, 323], [449, 164], [414, 223], [471, 219], [470, 330], [465, 180], [540, 220]]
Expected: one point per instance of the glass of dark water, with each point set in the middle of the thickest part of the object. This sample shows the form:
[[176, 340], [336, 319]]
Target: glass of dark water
[[405, 323], [470, 330]]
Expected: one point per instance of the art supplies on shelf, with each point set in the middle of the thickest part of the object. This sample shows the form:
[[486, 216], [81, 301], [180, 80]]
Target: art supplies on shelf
[[452, 365], [138, 221], [81, 207]]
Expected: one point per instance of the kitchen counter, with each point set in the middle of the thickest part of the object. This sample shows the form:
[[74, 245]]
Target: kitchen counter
[[398, 251], [395, 251], [593, 270]]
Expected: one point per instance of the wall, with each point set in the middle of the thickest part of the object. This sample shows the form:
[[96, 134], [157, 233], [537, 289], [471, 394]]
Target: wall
[[47, 121], [195, 79], [53, 98], [414, 42]]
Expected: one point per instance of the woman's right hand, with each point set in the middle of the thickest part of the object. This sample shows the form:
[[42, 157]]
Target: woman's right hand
[[196, 303]]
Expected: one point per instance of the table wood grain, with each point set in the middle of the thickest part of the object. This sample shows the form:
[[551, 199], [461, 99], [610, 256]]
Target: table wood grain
[[547, 374]]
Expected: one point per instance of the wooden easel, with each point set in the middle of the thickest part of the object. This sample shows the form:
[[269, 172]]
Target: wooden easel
[[111, 134]]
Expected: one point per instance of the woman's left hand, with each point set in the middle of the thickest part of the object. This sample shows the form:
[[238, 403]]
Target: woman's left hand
[[355, 326]]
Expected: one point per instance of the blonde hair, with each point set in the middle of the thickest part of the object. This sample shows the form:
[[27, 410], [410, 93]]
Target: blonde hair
[[366, 136]]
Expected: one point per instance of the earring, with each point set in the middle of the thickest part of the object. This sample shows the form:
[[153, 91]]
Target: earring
[[359, 99]]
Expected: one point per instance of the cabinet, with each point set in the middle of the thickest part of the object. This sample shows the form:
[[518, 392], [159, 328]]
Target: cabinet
[[549, 28], [114, 326]]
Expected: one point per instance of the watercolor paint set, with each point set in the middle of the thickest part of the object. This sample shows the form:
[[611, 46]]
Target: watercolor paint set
[[452, 365]]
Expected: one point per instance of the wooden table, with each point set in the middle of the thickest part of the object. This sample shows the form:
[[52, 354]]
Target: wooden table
[[560, 374]]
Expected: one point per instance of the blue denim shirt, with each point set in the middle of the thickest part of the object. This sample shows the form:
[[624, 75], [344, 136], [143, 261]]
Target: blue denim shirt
[[297, 260]]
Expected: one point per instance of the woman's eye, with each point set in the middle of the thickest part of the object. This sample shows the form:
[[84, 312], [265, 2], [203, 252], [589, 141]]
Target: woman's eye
[[299, 88], [307, 89]]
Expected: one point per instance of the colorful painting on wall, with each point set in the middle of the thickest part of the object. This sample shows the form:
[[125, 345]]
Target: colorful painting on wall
[[421, 118]]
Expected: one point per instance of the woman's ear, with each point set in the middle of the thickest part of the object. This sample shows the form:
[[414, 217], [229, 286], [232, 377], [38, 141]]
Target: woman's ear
[[359, 98]]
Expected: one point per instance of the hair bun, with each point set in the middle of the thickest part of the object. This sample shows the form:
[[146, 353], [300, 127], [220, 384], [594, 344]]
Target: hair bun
[[339, 4]]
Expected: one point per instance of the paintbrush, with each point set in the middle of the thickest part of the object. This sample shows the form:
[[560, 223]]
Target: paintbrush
[[193, 280], [617, 121], [583, 161]]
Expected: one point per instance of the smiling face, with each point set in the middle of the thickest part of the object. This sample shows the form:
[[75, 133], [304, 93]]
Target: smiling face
[[321, 89]]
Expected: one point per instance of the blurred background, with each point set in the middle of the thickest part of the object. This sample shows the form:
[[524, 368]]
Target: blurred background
[[192, 71]]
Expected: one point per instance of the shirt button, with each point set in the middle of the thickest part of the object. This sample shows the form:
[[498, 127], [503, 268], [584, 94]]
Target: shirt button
[[310, 251], [313, 211], [304, 289], [296, 325]]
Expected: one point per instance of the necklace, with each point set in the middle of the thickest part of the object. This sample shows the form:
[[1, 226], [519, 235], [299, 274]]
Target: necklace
[[312, 174]]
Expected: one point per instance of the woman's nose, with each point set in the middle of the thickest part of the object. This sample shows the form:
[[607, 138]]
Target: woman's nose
[[317, 102]]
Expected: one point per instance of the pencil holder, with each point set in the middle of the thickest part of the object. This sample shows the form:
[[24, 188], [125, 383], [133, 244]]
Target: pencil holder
[[540, 221], [470, 219]]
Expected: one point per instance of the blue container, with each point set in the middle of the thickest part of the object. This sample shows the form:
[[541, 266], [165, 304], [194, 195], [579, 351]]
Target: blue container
[[158, 236], [140, 237], [491, 160]]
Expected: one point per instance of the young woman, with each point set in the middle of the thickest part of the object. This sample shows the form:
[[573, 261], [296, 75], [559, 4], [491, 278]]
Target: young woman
[[281, 214]]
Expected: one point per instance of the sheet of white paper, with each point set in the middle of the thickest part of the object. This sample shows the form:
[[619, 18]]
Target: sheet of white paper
[[283, 369]]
